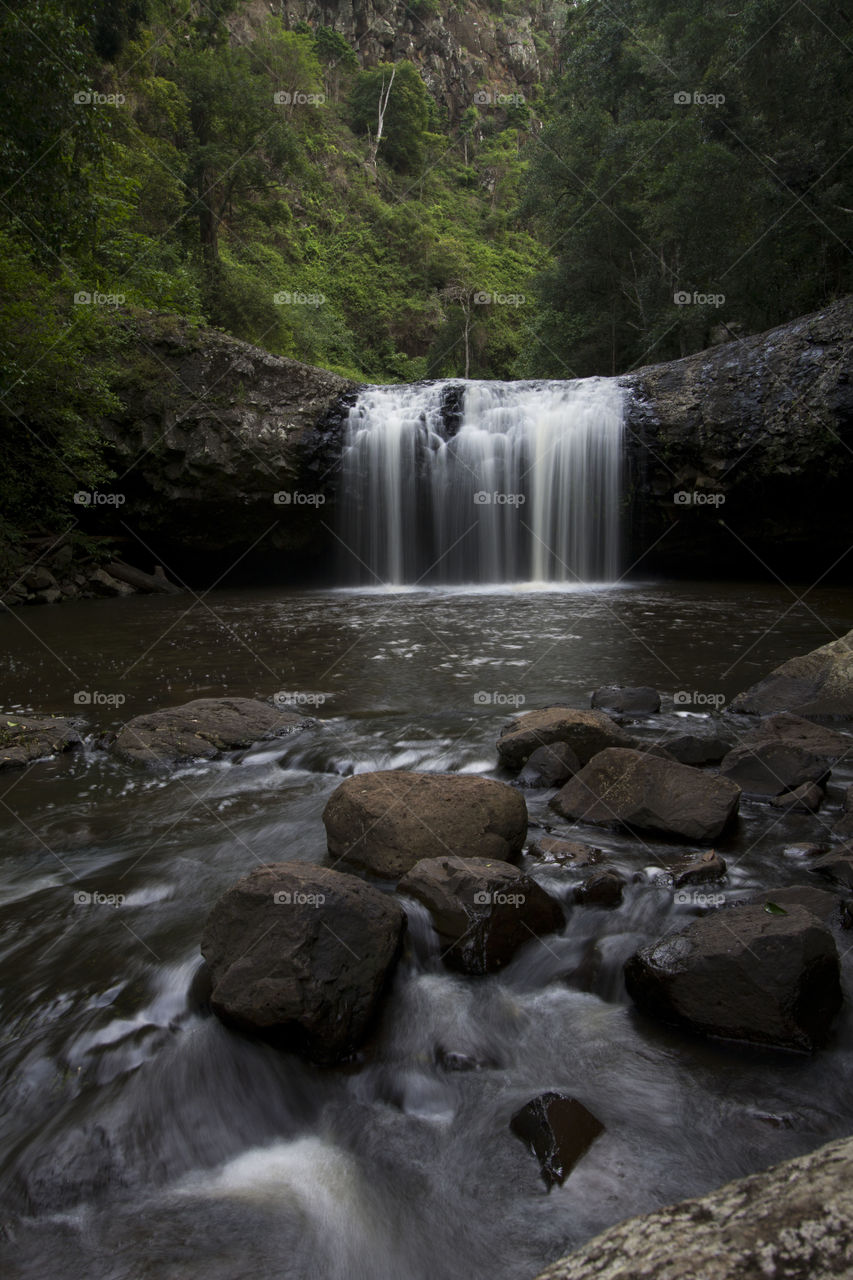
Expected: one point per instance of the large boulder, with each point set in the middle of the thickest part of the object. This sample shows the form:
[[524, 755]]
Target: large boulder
[[386, 822], [817, 685], [819, 739], [27, 738], [794, 1221], [697, 749], [836, 865], [747, 973], [300, 955], [642, 791], [586, 732], [773, 767], [482, 911], [549, 766], [203, 728]]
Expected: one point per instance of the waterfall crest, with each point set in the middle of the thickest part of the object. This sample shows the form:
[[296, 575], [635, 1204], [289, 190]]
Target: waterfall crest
[[482, 482]]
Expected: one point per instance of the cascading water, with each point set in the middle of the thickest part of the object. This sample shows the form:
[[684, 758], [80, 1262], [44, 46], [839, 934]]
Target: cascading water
[[483, 482]]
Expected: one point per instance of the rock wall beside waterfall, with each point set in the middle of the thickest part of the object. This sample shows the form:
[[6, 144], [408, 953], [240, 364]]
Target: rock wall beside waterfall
[[741, 457]]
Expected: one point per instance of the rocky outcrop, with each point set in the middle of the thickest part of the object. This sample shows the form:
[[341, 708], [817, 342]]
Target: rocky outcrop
[[586, 732], [767, 976], [794, 1221], [301, 955], [385, 822], [741, 456], [773, 767], [816, 685], [27, 738], [640, 790], [202, 729]]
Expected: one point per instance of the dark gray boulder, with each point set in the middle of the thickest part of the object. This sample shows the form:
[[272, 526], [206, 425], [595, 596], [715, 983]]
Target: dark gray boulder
[[549, 766], [603, 888], [385, 822], [27, 738], [203, 728], [482, 911], [772, 767], [300, 955], [586, 732], [807, 798], [819, 739], [817, 685], [743, 974], [837, 865], [699, 869], [559, 1131], [570, 852], [639, 790], [695, 749]]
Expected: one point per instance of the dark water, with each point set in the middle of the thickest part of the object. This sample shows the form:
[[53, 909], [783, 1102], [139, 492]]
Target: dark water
[[140, 1138]]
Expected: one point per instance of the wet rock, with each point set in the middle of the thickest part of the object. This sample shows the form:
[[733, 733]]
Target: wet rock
[[102, 583], [602, 889], [27, 738], [817, 685], [816, 738], [692, 748], [626, 700], [386, 822], [744, 974], [805, 849], [482, 911], [301, 955], [39, 579], [831, 908], [655, 749], [553, 849], [586, 732], [559, 1131], [806, 798], [793, 1221], [549, 766], [773, 767], [836, 865], [692, 870], [637, 790], [203, 728]]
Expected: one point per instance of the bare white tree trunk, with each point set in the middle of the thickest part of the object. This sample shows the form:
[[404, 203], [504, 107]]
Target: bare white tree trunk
[[384, 95]]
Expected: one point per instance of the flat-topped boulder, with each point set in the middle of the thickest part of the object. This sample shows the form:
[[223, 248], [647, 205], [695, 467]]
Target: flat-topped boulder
[[635, 789], [27, 738], [300, 955], [772, 767], [586, 732], [387, 821], [817, 685], [203, 728], [819, 739], [747, 973], [482, 911]]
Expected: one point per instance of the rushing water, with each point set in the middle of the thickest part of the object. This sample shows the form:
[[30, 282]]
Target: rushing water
[[141, 1139], [483, 482]]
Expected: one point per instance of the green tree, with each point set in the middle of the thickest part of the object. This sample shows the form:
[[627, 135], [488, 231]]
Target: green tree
[[406, 118]]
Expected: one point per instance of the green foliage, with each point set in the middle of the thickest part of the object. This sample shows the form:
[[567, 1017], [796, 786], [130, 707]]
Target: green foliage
[[406, 118]]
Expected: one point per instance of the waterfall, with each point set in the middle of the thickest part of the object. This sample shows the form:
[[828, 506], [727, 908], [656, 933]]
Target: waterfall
[[482, 482]]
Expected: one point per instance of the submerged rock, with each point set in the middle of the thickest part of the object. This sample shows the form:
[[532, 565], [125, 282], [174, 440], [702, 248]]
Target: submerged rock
[[203, 728], [572, 852], [642, 791], [819, 739], [603, 888], [300, 955], [586, 732], [693, 748], [773, 767], [794, 1220], [698, 870], [482, 911], [625, 700], [549, 766], [558, 1130], [837, 865], [829, 907], [748, 973], [807, 798], [386, 822], [817, 685], [27, 738]]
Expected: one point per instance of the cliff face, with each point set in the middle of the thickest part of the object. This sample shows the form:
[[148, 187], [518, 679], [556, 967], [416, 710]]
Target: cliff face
[[741, 457], [457, 53]]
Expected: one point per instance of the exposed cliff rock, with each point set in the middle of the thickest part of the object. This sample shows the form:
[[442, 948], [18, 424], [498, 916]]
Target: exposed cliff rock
[[741, 457]]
